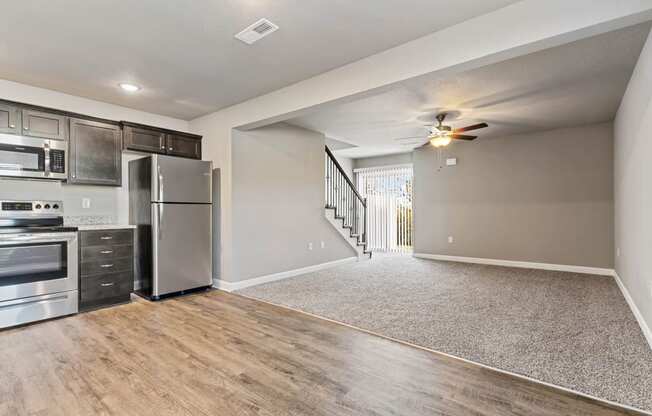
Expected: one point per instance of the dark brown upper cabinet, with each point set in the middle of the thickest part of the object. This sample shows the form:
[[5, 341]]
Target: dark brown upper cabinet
[[156, 140], [10, 119], [183, 145], [143, 139], [95, 153], [42, 124]]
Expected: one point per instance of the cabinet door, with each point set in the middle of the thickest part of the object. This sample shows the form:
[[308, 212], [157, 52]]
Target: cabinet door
[[46, 125], [180, 145], [9, 119], [144, 140], [95, 153]]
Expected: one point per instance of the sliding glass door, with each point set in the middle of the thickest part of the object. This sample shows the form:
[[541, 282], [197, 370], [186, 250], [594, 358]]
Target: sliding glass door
[[389, 207]]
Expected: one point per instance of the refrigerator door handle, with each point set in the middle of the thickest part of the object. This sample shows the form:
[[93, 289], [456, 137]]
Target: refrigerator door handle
[[160, 183], [159, 218]]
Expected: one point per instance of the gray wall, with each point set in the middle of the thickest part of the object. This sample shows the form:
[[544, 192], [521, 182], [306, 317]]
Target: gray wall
[[278, 202], [544, 197], [633, 188], [388, 160]]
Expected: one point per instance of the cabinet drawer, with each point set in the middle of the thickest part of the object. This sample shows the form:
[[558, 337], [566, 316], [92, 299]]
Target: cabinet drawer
[[106, 237], [106, 286], [106, 266], [106, 252]]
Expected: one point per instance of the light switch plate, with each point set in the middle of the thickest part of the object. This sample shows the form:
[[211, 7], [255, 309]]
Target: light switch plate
[[451, 161], [86, 203]]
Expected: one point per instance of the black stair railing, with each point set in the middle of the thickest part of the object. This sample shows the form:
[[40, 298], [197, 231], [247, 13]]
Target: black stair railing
[[343, 197]]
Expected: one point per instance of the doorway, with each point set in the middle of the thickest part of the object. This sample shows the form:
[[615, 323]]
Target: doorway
[[388, 191]]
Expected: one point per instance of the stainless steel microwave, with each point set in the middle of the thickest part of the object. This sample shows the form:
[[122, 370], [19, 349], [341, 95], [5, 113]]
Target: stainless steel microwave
[[32, 157]]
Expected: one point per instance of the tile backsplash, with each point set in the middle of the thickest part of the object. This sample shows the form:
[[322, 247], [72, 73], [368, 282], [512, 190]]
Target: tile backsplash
[[89, 219]]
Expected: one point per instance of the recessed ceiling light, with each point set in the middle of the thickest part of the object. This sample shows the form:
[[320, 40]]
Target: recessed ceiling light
[[129, 87]]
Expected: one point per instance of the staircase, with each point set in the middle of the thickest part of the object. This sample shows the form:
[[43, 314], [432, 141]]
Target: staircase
[[346, 210]]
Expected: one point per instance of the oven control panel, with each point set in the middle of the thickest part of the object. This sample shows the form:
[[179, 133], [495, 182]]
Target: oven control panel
[[17, 208]]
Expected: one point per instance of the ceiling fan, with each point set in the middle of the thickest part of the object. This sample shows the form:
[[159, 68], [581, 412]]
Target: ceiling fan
[[441, 135]]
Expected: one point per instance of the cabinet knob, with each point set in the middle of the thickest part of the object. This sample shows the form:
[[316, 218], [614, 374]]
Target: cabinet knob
[[169, 148], [13, 126], [106, 284], [25, 128]]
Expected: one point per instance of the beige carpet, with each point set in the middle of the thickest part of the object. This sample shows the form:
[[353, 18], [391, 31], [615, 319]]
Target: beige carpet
[[568, 329]]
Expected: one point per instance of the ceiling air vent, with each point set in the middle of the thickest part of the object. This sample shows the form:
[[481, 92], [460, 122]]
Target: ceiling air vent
[[257, 31]]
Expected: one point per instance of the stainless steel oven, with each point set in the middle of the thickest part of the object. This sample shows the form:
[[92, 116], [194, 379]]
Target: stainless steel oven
[[31, 157], [38, 263]]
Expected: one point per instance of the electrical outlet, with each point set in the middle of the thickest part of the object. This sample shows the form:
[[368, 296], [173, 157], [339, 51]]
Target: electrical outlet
[[450, 239], [323, 245], [86, 203], [309, 246]]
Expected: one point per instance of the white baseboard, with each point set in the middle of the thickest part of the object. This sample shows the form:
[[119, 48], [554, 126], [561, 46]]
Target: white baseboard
[[637, 313], [522, 264], [232, 286]]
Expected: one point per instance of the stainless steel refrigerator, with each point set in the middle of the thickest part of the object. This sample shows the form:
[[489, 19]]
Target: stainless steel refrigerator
[[170, 201]]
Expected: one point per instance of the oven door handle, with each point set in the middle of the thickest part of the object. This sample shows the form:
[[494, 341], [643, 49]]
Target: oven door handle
[[37, 238]]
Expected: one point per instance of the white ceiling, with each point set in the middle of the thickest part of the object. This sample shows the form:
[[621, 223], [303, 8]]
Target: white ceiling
[[183, 53], [574, 84]]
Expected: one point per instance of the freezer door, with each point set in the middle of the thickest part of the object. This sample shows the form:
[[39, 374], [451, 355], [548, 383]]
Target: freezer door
[[176, 179], [181, 247]]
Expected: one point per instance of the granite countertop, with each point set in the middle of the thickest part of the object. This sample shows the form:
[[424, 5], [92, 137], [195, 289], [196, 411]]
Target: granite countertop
[[95, 222]]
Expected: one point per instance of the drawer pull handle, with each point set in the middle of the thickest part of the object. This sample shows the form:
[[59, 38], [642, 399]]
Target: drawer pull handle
[[106, 251], [106, 237], [106, 284], [106, 265]]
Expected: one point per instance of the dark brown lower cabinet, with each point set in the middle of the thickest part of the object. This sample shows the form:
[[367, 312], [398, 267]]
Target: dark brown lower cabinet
[[106, 268]]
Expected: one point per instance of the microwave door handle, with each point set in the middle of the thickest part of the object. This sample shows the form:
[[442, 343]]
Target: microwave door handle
[[46, 155]]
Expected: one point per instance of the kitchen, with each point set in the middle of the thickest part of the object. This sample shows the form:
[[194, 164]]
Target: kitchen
[[72, 236]]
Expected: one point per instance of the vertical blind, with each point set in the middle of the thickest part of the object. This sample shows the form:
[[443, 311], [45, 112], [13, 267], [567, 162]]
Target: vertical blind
[[389, 207]]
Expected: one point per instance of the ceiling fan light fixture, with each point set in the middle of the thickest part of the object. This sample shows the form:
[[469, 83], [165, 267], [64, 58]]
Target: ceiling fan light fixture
[[440, 141]]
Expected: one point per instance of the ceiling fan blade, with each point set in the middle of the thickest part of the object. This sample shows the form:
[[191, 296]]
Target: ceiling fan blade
[[469, 128], [410, 137], [462, 137]]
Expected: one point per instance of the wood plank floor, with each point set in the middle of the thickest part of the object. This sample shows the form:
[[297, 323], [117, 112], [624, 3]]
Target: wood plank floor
[[221, 354]]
